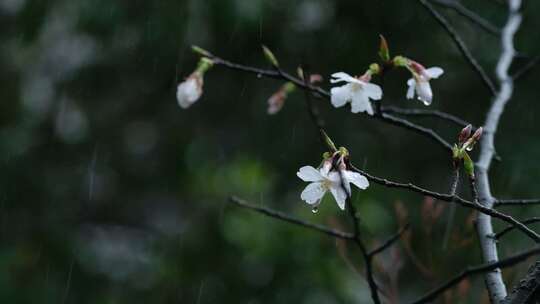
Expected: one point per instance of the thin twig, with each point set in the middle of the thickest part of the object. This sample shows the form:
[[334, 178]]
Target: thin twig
[[452, 199], [516, 202], [451, 215], [427, 113], [472, 16], [287, 218], [526, 68], [484, 227], [483, 268], [389, 242], [430, 133], [531, 220], [461, 46]]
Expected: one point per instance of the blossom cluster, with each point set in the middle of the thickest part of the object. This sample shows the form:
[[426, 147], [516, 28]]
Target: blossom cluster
[[334, 174]]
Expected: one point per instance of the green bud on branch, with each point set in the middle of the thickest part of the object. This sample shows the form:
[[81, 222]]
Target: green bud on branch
[[384, 52], [200, 51], [270, 56]]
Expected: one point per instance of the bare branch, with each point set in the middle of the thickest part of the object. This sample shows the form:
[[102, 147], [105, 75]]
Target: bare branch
[[527, 288], [389, 242], [472, 16], [287, 218], [484, 227], [430, 133], [483, 268], [461, 46], [526, 68], [452, 199], [516, 202], [427, 113], [532, 220]]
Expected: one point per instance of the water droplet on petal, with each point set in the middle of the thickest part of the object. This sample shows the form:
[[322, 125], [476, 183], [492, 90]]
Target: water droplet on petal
[[315, 209]]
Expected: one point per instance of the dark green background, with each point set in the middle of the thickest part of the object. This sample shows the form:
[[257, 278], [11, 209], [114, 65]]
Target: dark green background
[[111, 193]]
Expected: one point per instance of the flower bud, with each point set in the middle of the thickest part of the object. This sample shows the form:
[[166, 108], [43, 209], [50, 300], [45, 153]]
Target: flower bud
[[384, 53], [476, 136], [464, 134], [277, 100], [270, 56], [329, 143]]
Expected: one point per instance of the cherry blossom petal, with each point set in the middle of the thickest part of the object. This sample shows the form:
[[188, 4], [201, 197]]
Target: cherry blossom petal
[[373, 91], [340, 95], [434, 72], [309, 174], [342, 76], [410, 91], [360, 103], [313, 193], [356, 179], [340, 196], [423, 90]]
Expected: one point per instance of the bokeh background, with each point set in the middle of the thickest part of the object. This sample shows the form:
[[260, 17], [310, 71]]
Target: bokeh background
[[111, 193]]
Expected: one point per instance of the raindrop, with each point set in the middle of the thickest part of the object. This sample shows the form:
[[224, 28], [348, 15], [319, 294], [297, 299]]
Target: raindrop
[[315, 209], [469, 148], [259, 75]]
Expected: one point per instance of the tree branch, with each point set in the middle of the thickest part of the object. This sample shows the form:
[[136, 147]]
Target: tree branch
[[532, 220], [472, 16], [427, 113], [452, 199], [461, 46], [389, 242], [287, 218], [483, 268], [484, 227], [527, 288], [516, 202], [526, 68]]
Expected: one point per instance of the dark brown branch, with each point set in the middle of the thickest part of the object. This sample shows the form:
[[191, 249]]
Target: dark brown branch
[[389, 242], [527, 289], [415, 128], [451, 215], [503, 263], [427, 113], [472, 16], [532, 220], [526, 68], [453, 199], [287, 218], [460, 45], [517, 202]]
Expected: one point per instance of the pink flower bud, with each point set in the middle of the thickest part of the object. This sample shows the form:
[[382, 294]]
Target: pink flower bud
[[464, 134]]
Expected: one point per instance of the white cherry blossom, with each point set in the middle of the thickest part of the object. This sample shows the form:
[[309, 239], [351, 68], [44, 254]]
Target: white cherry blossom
[[357, 91], [189, 91], [419, 84], [324, 180]]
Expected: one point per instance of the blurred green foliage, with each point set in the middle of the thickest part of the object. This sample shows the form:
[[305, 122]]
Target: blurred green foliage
[[110, 193]]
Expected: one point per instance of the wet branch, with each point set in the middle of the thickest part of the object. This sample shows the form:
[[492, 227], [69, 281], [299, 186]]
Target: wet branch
[[472, 16], [452, 199], [531, 220], [516, 202], [461, 46], [389, 242], [427, 113], [479, 269], [290, 219]]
